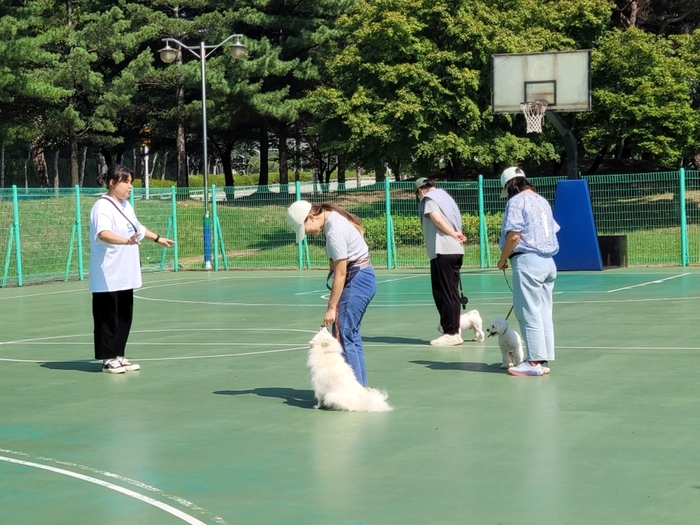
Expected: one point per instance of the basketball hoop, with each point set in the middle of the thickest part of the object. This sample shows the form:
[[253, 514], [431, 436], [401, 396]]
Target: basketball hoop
[[534, 112]]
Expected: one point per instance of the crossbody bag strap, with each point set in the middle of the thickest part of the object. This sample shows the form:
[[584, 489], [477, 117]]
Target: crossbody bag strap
[[136, 230]]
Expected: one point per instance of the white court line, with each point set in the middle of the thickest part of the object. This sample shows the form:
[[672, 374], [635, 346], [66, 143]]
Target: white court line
[[123, 479], [220, 303], [658, 281], [82, 290], [402, 278], [286, 305], [149, 343], [378, 282], [162, 330], [180, 358], [85, 289], [163, 506]]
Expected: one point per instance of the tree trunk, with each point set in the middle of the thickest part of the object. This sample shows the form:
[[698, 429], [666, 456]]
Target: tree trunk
[[166, 154], [26, 175], [152, 165], [283, 155], [74, 169], [619, 149], [56, 155], [41, 171], [83, 161], [102, 165], [264, 158], [379, 172], [2, 166], [297, 156], [228, 169], [105, 158], [341, 173], [182, 176]]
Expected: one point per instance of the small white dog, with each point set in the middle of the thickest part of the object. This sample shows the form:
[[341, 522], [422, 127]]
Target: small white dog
[[508, 340], [470, 321], [334, 382]]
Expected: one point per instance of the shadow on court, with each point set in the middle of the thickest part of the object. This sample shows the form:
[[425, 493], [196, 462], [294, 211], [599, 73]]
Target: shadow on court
[[462, 365], [395, 340], [291, 396], [80, 366]]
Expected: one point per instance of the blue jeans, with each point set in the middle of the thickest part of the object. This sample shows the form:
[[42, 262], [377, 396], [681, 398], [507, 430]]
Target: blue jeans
[[352, 306], [533, 284]]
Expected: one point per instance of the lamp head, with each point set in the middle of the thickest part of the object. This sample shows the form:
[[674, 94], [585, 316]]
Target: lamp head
[[168, 54], [238, 49]]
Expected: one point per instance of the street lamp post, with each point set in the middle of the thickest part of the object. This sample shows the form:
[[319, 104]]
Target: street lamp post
[[202, 52]]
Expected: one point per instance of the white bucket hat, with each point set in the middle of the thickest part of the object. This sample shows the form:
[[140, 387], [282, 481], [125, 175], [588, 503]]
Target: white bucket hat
[[296, 216], [508, 174]]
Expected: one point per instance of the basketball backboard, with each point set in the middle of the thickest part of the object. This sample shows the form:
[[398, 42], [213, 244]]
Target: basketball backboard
[[562, 78]]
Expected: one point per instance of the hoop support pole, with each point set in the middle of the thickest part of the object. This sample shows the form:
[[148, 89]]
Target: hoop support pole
[[569, 144]]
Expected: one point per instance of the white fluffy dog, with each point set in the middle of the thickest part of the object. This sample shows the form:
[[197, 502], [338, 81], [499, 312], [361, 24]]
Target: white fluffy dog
[[334, 382], [470, 321], [508, 340]]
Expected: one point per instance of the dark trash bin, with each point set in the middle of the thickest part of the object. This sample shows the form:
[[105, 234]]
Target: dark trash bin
[[613, 250]]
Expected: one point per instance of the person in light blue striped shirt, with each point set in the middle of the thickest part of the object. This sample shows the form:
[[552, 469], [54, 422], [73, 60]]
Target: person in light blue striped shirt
[[529, 241]]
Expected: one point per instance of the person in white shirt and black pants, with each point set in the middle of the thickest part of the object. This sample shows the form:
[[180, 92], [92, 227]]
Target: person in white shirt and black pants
[[115, 268], [441, 222]]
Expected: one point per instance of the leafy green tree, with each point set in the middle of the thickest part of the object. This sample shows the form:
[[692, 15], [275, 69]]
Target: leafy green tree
[[263, 97], [642, 98], [27, 90], [411, 79]]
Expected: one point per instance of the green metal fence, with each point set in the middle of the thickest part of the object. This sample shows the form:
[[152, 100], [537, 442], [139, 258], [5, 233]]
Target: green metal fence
[[44, 233]]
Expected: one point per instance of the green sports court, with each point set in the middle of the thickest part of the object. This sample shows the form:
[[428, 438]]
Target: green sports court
[[218, 426]]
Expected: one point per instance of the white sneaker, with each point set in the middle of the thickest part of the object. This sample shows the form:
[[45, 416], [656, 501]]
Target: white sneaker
[[447, 340], [113, 366], [128, 366], [526, 369]]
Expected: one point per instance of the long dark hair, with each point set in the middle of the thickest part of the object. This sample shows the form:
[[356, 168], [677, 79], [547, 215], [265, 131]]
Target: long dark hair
[[516, 185], [327, 206], [116, 173]]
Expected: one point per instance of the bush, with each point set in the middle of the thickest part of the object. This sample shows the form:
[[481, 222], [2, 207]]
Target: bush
[[197, 181], [407, 230], [155, 183]]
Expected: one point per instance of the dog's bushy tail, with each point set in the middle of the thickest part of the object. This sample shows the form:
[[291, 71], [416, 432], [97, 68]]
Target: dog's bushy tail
[[376, 401]]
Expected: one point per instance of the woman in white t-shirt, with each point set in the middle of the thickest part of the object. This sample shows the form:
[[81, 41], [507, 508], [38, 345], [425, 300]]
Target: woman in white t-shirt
[[115, 269], [354, 282]]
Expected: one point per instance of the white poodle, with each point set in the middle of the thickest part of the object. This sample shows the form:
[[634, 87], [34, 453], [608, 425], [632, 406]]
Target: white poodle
[[508, 340], [470, 321], [334, 382]]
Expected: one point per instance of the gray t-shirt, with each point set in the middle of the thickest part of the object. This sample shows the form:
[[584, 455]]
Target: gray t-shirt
[[436, 241], [343, 241]]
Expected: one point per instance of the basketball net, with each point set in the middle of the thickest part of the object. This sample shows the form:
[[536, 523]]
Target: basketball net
[[534, 113]]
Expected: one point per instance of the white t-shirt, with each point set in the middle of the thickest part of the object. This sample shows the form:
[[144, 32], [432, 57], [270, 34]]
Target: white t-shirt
[[114, 267]]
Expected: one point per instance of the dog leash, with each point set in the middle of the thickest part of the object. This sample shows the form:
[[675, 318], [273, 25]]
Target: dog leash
[[463, 300], [511, 291]]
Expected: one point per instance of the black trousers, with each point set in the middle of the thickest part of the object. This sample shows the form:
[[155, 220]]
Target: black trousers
[[112, 313], [444, 278]]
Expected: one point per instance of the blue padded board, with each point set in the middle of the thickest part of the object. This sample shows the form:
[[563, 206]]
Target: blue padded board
[[578, 240]]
